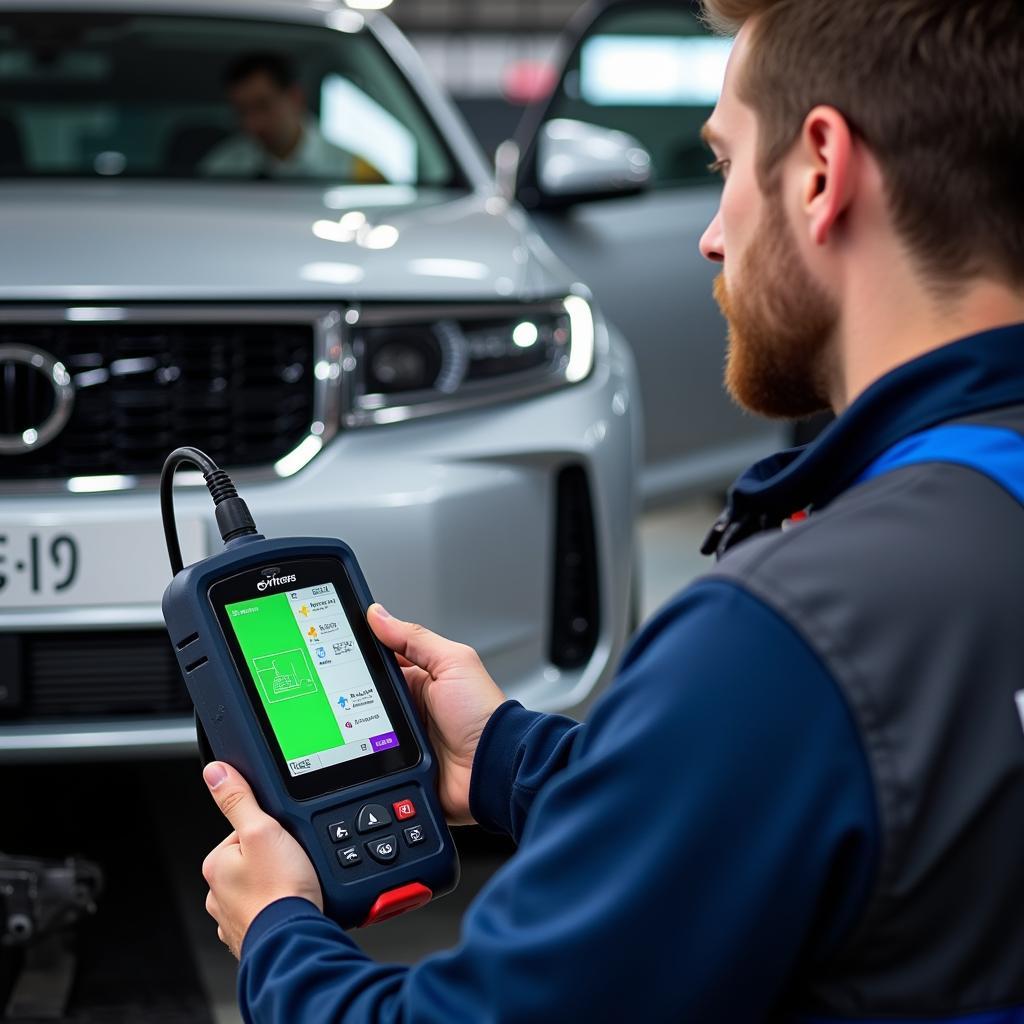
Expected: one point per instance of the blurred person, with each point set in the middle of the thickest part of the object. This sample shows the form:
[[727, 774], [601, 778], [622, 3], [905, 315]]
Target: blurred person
[[802, 798], [280, 137]]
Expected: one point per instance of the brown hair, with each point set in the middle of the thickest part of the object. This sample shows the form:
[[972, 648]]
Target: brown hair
[[935, 88]]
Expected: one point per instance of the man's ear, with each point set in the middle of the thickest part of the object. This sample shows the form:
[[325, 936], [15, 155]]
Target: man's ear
[[827, 157]]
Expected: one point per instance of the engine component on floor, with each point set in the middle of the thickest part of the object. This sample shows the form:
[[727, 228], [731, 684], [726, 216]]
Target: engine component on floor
[[40, 902]]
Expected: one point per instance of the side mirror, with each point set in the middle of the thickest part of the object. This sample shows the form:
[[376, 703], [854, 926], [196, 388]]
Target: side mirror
[[506, 169], [577, 162]]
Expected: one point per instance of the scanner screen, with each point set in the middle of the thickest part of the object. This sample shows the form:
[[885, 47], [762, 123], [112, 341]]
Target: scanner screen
[[322, 703]]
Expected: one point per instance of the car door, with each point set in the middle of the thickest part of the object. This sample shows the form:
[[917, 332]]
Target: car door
[[649, 68]]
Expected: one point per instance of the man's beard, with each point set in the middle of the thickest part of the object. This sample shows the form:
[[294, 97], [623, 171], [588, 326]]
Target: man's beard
[[782, 325]]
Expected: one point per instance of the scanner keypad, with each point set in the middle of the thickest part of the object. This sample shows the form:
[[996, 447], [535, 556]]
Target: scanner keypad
[[353, 832]]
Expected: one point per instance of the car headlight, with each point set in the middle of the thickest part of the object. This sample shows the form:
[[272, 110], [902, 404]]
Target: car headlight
[[404, 363]]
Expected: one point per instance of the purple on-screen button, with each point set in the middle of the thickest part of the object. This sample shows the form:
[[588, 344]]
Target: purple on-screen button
[[384, 742]]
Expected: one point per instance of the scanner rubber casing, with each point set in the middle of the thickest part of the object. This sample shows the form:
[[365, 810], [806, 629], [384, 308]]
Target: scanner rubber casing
[[235, 736]]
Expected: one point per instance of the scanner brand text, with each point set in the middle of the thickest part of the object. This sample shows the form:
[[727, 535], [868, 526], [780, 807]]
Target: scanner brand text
[[274, 581]]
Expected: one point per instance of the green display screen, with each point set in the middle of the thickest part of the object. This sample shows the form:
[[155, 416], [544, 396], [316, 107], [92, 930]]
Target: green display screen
[[318, 694]]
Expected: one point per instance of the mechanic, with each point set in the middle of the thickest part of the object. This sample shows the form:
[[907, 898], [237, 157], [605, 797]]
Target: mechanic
[[280, 137], [802, 799]]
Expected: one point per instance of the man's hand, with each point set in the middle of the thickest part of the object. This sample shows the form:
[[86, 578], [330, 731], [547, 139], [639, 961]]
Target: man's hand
[[455, 696], [256, 865]]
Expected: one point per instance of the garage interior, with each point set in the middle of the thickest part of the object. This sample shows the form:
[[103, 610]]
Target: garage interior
[[149, 824]]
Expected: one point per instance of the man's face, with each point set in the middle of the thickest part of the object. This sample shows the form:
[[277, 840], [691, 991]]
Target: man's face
[[781, 319], [270, 115]]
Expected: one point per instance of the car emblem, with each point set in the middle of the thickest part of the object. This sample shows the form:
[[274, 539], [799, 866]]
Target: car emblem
[[36, 398]]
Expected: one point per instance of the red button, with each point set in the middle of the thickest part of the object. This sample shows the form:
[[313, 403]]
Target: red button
[[404, 809], [397, 901]]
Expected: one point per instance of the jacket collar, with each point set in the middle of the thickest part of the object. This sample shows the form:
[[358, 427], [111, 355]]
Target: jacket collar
[[982, 372]]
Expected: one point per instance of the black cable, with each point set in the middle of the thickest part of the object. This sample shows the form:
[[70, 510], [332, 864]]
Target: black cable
[[233, 518]]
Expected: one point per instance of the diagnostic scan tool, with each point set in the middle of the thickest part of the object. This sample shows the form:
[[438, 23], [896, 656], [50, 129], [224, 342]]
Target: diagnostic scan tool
[[291, 687]]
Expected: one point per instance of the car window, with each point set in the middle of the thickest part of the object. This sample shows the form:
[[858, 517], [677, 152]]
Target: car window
[[135, 95], [654, 72]]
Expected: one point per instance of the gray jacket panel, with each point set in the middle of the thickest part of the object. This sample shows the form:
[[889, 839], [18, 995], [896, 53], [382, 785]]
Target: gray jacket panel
[[911, 590]]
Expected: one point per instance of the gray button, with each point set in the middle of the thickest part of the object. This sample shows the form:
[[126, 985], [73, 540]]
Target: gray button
[[414, 834], [371, 818], [339, 832], [383, 850], [349, 857]]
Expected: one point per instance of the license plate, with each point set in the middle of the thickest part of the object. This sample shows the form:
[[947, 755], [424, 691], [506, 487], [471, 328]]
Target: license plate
[[59, 564]]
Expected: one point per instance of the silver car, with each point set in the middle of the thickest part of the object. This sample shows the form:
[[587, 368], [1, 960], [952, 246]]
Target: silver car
[[259, 229]]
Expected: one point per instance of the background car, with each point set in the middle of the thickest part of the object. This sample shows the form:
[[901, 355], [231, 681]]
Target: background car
[[640, 77], [402, 363]]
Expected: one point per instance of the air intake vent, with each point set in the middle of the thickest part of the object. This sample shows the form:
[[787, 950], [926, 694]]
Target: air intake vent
[[576, 618], [76, 675]]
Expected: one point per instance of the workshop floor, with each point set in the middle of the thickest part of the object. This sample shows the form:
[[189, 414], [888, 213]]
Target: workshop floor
[[670, 539]]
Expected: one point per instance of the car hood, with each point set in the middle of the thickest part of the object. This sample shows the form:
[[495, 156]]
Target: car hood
[[139, 241]]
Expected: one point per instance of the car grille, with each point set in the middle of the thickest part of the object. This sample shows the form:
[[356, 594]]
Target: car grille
[[243, 393], [70, 674]]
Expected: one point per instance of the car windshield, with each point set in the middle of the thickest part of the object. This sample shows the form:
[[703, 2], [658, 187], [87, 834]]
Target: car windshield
[[142, 96]]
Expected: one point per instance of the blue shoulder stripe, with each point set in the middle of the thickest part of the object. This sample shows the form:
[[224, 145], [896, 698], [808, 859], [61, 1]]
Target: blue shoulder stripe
[[996, 452]]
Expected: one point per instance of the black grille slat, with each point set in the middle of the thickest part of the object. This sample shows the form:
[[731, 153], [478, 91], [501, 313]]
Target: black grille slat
[[25, 400], [244, 393], [75, 675]]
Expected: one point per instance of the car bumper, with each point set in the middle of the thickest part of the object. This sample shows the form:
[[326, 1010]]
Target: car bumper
[[454, 521]]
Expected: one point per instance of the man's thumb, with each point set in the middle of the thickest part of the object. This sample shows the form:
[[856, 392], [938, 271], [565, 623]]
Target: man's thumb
[[418, 645], [233, 796]]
